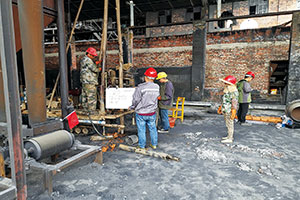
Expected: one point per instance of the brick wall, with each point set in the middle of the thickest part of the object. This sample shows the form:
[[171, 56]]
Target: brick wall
[[228, 53], [242, 8], [235, 53], [178, 15]]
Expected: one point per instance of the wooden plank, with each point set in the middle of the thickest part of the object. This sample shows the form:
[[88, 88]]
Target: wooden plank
[[2, 166]]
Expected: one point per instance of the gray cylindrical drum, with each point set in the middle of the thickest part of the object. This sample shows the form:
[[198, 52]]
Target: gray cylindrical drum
[[49, 144], [132, 139], [293, 110]]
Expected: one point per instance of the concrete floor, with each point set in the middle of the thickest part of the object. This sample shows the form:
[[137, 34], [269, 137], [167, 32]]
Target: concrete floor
[[262, 163]]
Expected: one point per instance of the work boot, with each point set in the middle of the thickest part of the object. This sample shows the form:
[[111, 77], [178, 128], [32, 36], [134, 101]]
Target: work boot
[[224, 138], [245, 124], [152, 146], [228, 140], [138, 147], [163, 131]]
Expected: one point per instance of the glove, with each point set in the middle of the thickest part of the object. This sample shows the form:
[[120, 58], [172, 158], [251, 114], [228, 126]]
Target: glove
[[219, 110], [233, 113], [98, 62], [159, 98]]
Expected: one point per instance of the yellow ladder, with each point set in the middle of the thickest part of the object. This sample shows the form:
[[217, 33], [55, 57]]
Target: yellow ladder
[[179, 108]]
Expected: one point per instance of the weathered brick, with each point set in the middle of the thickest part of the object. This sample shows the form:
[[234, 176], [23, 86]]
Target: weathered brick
[[228, 53]]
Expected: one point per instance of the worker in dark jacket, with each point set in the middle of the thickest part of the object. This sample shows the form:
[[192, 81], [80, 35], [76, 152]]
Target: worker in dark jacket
[[244, 89], [144, 103], [166, 91]]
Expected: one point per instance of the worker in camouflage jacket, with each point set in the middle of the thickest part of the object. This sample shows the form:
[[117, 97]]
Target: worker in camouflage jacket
[[89, 80], [229, 106]]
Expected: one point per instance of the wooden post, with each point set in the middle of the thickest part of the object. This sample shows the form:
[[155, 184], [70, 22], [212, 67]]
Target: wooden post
[[2, 166], [122, 121], [99, 158], [68, 46], [103, 50]]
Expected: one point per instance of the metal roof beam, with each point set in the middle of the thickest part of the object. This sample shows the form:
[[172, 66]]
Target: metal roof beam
[[171, 5], [151, 5], [192, 3]]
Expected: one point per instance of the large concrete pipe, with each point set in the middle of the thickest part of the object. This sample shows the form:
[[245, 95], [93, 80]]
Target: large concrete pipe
[[50, 144], [293, 110]]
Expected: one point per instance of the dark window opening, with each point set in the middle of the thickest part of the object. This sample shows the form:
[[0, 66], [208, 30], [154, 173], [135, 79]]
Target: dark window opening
[[228, 23], [252, 10], [164, 17], [278, 77], [258, 6], [197, 16], [169, 19], [189, 15]]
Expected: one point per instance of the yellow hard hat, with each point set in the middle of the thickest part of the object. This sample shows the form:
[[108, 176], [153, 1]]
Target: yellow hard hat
[[161, 75]]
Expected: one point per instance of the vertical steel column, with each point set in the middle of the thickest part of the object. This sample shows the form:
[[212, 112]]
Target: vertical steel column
[[294, 61], [199, 54], [2, 100], [31, 25], [64, 88], [12, 98]]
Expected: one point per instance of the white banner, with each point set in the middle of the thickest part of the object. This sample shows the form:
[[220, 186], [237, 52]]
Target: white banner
[[118, 98]]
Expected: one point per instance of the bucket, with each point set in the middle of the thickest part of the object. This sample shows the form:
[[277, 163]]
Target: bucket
[[172, 122], [131, 139]]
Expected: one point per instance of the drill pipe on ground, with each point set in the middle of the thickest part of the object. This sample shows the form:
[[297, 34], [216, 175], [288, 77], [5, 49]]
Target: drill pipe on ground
[[146, 152]]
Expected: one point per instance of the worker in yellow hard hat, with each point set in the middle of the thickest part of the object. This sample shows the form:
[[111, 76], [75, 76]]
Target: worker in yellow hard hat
[[165, 102]]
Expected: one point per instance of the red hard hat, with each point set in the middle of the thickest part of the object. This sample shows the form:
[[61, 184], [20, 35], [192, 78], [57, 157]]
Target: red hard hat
[[151, 72], [229, 79], [92, 51], [250, 74]]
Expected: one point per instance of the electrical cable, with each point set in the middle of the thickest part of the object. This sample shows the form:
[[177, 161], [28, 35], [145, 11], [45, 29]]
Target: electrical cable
[[93, 125]]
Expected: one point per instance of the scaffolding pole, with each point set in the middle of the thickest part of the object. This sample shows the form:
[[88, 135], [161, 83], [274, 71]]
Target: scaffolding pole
[[103, 52]]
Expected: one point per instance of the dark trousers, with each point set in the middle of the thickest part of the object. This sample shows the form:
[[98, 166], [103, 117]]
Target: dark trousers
[[242, 112]]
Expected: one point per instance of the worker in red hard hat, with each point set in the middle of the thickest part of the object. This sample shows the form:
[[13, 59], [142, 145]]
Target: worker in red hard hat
[[244, 89], [89, 80], [144, 103], [229, 106]]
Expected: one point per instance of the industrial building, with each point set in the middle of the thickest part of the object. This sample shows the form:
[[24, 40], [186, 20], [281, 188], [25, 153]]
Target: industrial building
[[197, 43]]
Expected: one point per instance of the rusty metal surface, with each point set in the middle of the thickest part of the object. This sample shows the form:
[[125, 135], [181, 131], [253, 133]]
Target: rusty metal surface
[[49, 11], [2, 101], [12, 98], [31, 26]]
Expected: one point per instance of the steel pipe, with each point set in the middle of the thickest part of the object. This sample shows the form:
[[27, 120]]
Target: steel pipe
[[293, 110], [64, 88], [50, 144], [253, 16], [2, 100]]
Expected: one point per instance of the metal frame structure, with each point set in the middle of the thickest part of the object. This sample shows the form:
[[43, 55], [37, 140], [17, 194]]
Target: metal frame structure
[[12, 100], [51, 170]]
